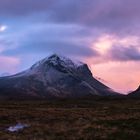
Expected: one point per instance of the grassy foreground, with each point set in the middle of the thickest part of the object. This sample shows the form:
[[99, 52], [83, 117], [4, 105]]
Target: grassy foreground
[[83, 119]]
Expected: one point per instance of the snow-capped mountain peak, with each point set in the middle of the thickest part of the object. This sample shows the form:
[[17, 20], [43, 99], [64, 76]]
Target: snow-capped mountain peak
[[53, 62], [56, 60], [54, 76]]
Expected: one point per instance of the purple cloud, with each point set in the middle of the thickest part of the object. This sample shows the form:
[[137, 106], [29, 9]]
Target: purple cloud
[[121, 53], [109, 15], [68, 27]]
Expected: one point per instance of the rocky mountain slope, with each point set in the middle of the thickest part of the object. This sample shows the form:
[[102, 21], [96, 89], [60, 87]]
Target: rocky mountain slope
[[54, 76]]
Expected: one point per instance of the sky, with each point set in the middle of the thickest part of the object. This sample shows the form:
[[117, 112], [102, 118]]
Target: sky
[[105, 34]]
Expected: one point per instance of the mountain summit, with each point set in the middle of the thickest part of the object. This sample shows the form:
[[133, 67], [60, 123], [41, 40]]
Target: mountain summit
[[55, 76]]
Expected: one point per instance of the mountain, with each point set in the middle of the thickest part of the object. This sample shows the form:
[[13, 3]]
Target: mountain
[[135, 93], [55, 76]]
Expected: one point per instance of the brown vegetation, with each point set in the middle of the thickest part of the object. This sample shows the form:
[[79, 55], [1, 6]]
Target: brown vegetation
[[83, 119]]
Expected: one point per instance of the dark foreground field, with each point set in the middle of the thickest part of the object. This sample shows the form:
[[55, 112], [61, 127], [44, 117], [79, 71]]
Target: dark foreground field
[[100, 119]]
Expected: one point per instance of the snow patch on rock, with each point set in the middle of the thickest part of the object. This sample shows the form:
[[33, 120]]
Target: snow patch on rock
[[57, 59]]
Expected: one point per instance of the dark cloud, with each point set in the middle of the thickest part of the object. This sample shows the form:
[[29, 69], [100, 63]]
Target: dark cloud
[[23, 7], [69, 26], [121, 53], [64, 48], [110, 15], [71, 40]]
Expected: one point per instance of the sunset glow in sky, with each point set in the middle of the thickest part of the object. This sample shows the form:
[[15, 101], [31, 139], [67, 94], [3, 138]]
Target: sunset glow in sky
[[103, 33]]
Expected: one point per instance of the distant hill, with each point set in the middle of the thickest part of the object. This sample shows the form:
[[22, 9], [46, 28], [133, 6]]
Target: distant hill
[[135, 93]]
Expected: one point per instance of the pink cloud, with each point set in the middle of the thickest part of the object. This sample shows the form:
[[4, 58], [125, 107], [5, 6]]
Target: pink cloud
[[121, 76], [118, 62], [9, 64]]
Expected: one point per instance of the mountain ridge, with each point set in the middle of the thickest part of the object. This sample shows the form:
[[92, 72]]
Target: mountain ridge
[[54, 76]]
